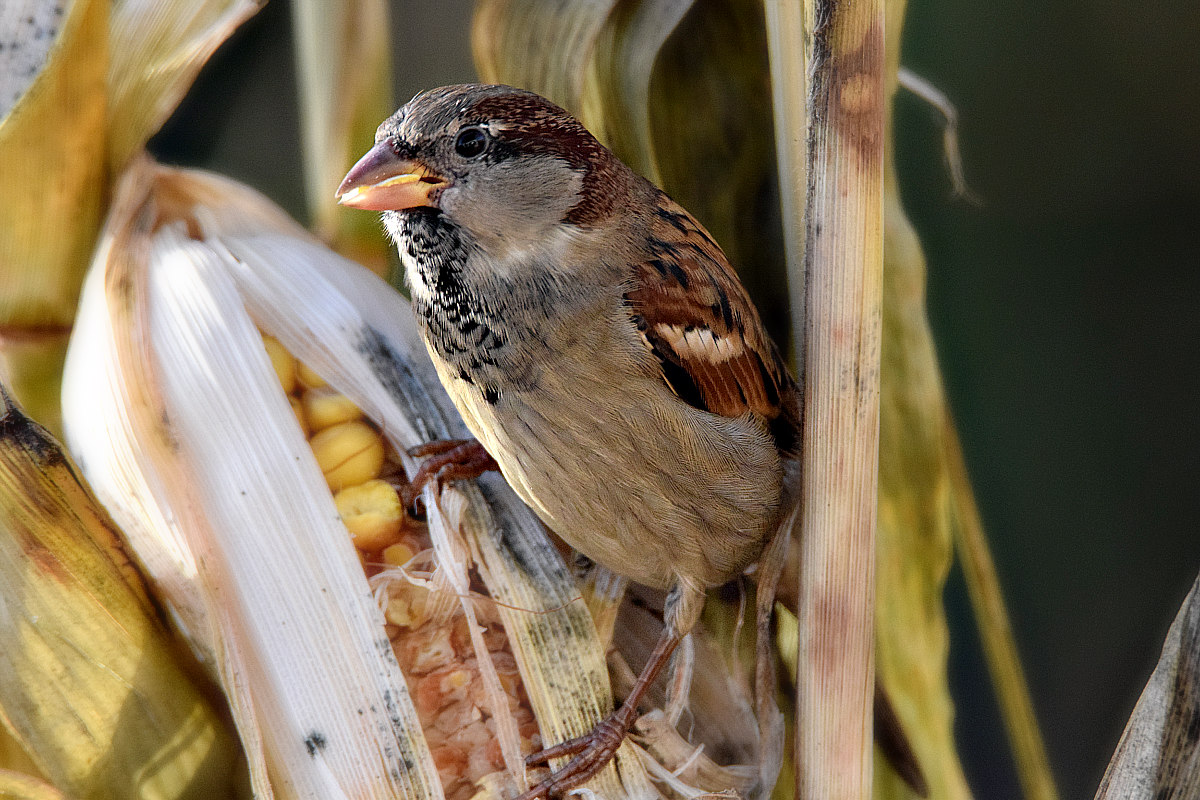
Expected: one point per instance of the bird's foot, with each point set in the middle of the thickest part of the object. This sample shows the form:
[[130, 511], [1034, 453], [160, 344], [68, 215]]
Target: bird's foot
[[446, 460], [591, 752]]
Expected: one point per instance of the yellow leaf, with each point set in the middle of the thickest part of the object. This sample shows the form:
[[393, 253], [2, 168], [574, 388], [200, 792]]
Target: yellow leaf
[[89, 680]]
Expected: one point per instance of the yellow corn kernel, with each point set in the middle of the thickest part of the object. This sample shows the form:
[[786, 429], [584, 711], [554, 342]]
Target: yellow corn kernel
[[397, 555], [307, 377], [372, 513], [298, 410], [348, 454], [282, 361], [325, 407]]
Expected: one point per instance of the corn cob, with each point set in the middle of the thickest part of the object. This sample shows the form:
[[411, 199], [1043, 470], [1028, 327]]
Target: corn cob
[[429, 638]]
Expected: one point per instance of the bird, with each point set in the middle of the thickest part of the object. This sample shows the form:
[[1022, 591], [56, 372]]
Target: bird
[[598, 345]]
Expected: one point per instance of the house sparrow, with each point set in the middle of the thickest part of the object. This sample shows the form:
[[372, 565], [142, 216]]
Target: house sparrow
[[597, 343]]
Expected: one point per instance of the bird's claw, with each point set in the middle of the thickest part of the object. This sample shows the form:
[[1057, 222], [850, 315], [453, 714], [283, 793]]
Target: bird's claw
[[446, 460], [591, 752]]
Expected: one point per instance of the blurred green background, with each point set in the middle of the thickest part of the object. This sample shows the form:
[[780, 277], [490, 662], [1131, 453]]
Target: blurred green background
[[1066, 307]]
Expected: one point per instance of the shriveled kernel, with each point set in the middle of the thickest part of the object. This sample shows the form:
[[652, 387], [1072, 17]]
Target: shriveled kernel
[[398, 612], [325, 407], [348, 454], [372, 514], [283, 363], [433, 651], [406, 608], [298, 410], [308, 377]]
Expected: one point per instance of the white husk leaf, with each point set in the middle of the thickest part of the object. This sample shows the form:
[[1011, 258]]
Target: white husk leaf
[[247, 546], [321, 705], [28, 32]]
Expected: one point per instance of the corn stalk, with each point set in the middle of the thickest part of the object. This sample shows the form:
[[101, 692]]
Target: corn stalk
[[843, 259]]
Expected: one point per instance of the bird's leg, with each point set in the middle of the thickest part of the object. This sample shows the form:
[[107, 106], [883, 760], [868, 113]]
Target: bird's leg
[[597, 747], [594, 750], [447, 460]]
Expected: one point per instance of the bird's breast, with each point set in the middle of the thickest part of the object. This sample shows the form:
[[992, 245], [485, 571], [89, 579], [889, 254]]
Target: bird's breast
[[625, 472]]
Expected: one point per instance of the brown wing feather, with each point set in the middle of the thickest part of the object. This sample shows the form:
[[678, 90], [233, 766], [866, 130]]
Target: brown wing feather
[[696, 317]]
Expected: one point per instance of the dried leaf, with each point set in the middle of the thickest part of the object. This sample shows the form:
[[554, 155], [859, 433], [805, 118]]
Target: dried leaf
[[1158, 757], [89, 680], [52, 172], [538, 45], [344, 65], [157, 48]]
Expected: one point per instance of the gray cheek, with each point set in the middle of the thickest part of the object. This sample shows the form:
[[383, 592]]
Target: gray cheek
[[514, 200], [393, 226]]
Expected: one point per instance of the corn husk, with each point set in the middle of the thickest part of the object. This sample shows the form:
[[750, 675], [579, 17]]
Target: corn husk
[[52, 180], [14, 758], [85, 86], [19, 786], [789, 41], [344, 72], [247, 555], [90, 683], [174, 408], [157, 48]]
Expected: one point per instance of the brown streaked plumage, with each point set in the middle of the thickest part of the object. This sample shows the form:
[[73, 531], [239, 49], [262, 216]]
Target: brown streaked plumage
[[698, 320]]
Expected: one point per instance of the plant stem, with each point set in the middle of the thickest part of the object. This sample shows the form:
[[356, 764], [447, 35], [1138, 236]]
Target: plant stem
[[843, 289]]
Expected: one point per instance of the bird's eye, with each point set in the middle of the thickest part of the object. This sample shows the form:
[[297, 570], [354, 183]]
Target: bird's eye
[[470, 142]]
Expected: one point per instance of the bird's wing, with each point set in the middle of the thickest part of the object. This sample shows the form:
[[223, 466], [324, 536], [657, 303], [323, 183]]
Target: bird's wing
[[696, 318]]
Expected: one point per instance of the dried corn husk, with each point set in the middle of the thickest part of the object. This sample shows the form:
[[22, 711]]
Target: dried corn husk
[[90, 683], [175, 407], [157, 48], [19, 786], [83, 85], [344, 70], [14, 758], [52, 184], [1159, 753]]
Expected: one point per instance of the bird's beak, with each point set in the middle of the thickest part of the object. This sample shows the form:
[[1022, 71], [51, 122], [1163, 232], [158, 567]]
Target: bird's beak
[[383, 181]]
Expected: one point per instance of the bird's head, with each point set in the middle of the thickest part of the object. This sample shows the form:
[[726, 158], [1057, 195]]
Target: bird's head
[[506, 165]]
